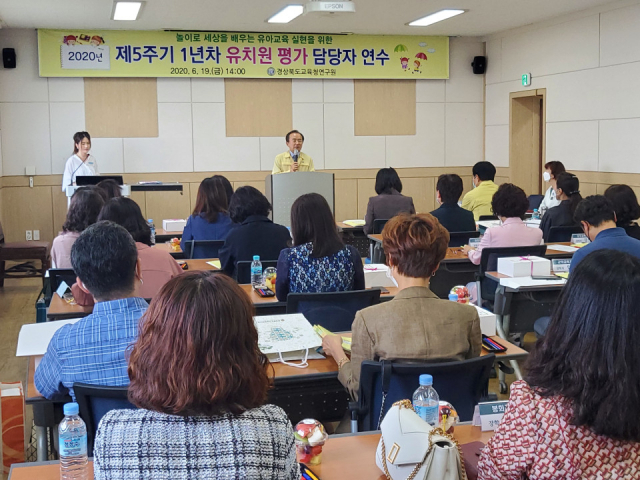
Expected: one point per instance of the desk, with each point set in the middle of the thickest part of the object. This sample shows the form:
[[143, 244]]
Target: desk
[[163, 235], [350, 456], [354, 236], [166, 247]]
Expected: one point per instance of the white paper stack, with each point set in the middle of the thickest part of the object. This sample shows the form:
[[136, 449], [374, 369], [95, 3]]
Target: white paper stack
[[524, 266], [375, 275]]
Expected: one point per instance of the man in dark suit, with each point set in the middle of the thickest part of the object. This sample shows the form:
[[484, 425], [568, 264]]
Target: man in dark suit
[[451, 216]]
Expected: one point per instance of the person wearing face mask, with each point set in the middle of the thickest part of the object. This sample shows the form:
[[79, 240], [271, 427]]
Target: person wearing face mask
[[478, 200], [597, 217], [416, 325], [81, 162], [551, 171], [451, 216], [293, 160], [567, 191]]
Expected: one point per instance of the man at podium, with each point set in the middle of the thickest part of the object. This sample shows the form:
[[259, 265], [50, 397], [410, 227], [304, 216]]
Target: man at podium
[[293, 160]]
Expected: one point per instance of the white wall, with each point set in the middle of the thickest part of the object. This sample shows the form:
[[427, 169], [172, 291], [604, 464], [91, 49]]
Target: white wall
[[38, 117], [589, 63]]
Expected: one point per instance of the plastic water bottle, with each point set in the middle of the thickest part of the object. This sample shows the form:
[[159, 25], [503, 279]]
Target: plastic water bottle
[[72, 435], [426, 402], [256, 271], [536, 215], [152, 226]]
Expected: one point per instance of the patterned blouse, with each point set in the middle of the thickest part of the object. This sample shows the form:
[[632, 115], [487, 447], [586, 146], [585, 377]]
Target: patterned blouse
[[536, 441], [299, 272], [136, 444]]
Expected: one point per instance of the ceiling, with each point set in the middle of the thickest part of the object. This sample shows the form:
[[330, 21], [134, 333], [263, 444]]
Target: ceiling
[[372, 16]]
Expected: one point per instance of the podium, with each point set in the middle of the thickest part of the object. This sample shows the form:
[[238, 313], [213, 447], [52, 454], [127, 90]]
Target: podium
[[284, 188]]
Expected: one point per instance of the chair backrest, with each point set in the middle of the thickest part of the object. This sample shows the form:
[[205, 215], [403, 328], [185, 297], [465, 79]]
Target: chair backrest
[[243, 269], [59, 275], [95, 401], [202, 248], [535, 201], [462, 384], [563, 234], [487, 217], [458, 239], [378, 225], [335, 311]]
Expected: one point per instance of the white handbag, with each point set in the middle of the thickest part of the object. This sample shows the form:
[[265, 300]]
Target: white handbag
[[410, 448]]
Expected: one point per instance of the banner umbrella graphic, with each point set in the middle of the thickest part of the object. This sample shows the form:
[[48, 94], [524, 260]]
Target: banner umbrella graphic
[[421, 56], [400, 48]]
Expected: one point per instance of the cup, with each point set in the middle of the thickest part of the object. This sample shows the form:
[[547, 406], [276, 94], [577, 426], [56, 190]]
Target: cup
[[310, 437]]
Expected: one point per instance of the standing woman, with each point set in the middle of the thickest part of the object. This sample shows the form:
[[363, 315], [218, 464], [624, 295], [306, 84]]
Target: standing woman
[[551, 171], [81, 162]]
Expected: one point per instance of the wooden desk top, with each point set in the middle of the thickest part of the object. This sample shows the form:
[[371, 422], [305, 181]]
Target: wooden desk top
[[344, 226], [162, 231], [258, 300], [166, 247], [349, 456]]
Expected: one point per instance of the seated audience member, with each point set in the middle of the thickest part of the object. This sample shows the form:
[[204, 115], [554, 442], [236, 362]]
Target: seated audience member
[[510, 203], [105, 260], [255, 233], [568, 192], [110, 188], [83, 211], [625, 204], [551, 171], [576, 416], [478, 200], [416, 325], [318, 261], [450, 215], [598, 220], [200, 382], [389, 202], [210, 219], [228, 188]]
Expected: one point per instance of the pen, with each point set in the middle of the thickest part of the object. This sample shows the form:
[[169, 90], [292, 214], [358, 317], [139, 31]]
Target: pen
[[307, 473]]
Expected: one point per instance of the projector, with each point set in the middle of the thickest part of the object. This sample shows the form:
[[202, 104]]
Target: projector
[[316, 6]]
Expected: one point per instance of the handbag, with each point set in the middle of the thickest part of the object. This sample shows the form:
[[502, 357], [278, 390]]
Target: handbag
[[410, 448]]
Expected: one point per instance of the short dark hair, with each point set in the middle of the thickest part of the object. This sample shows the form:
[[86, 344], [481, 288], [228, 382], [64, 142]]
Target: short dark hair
[[450, 187], [84, 209], [293, 131], [197, 352], [126, 213], [570, 186], [625, 204], [484, 171], [228, 188], [589, 354], [78, 137], [595, 210], [104, 257], [510, 201], [312, 221], [111, 188], [387, 179], [247, 201], [211, 199], [555, 167]]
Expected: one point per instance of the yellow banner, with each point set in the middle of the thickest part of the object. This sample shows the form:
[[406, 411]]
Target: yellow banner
[[138, 53]]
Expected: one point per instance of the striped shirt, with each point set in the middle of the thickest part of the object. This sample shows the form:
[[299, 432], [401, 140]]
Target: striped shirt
[[91, 350]]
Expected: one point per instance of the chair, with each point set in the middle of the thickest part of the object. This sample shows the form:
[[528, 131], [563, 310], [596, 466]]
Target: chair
[[535, 201], [458, 239], [563, 234], [95, 401], [487, 217], [378, 225], [19, 251], [461, 383], [59, 275], [335, 311], [243, 269], [202, 248]]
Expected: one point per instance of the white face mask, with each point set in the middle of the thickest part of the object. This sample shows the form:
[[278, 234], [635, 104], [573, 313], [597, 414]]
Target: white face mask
[[546, 176], [390, 275]]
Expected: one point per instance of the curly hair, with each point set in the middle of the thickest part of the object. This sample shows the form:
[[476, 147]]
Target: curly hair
[[84, 209], [510, 201], [415, 244], [625, 204], [248, 201], [197, 352]]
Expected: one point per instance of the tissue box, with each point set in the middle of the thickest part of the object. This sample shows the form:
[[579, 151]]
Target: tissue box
[[375, 275], [173, 225], [487, 321], [524, 266]]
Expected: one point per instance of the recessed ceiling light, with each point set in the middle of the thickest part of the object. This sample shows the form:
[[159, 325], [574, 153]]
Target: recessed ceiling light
[[126, 10], [435, 18], [287, 14]]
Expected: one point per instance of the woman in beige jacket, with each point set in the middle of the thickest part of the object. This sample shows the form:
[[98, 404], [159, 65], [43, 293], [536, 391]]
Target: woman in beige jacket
[[416, 325]]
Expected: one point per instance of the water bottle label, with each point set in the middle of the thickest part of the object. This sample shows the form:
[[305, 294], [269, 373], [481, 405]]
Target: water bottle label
[[73, 446], [428, 414]]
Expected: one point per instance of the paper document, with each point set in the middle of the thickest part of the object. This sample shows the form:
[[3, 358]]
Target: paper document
[[34, 338], [520, 282], [562, 248], [354, 223], [323, 332], [215, 263], [285, 333], [562, 274], [295, 356]]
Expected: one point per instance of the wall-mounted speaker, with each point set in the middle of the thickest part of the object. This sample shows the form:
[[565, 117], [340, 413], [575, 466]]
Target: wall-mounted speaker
[[9, 58], [479, 65]]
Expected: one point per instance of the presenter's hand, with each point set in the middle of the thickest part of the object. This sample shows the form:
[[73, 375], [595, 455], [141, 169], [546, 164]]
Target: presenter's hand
[[294, 167]]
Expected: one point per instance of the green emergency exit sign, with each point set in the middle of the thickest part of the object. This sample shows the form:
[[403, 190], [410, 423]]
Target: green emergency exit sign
[[526, 79]]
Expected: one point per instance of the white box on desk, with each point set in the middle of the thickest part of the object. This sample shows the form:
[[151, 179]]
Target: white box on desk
[[375, 275], [173, 225], [487, 321], [524, 266]]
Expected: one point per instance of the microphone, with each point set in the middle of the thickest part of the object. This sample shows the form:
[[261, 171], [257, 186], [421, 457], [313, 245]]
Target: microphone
[[295, 155], [74, 172]]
